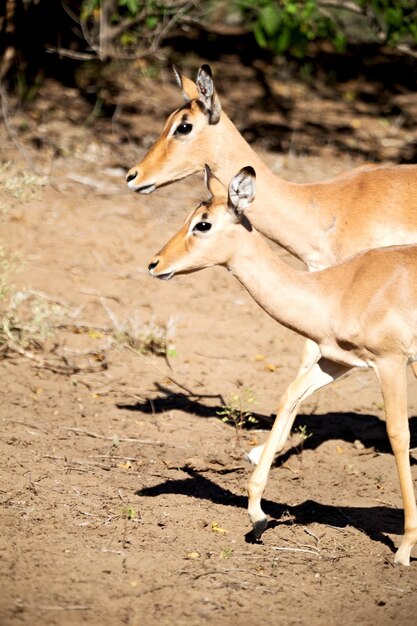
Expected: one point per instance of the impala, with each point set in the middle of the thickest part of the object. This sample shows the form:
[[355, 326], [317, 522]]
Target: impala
[[362, 313], [321, 223]]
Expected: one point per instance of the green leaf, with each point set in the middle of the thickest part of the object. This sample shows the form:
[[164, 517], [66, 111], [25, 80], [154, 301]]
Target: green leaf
[[260, 36], [269, 19], [283, 41], [393, 16], [131, 5], [151, 21]]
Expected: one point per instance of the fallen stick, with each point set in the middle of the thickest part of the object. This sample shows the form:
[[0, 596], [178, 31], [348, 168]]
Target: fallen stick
[[88, 433], [284, 549]]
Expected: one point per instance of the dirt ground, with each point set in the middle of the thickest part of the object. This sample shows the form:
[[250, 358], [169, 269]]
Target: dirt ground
[[122, 489]]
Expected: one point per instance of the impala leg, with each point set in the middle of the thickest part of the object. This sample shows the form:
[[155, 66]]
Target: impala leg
[[310, 356], [392, 377], [320, 374], [414, 368]]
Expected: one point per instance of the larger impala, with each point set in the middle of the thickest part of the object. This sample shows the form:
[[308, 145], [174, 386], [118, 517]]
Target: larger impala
[[320, 223], [362, 313]]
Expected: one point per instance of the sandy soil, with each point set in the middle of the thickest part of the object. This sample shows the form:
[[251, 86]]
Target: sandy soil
[[122, 489]]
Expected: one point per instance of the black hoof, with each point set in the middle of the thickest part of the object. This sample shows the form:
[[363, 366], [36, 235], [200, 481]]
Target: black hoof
[[259, 527]]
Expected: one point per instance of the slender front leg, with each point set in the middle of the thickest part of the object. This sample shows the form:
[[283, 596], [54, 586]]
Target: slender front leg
[[392, 377], [320, 374], [311, 354]]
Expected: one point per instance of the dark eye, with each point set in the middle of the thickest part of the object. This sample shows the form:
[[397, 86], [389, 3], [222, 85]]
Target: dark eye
[[184, 129], [202, 227]]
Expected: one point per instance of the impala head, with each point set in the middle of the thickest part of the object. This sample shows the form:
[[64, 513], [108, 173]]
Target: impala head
[[181, 148], [208, 235]]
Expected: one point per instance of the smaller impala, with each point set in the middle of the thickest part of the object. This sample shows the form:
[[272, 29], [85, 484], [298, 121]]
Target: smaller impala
[[361, 313]]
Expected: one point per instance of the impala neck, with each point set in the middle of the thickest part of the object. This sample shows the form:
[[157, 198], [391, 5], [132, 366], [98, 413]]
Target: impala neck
[[277, 201], [282, 291]]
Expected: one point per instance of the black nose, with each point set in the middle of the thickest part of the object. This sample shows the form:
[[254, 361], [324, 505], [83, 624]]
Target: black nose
[[130, 177], [152, 265]]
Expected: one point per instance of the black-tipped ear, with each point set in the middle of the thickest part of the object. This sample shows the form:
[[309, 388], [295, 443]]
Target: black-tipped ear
[[242, 190], [177, 75], [188, 86], [207, 175], [214, 186], [207, 93]]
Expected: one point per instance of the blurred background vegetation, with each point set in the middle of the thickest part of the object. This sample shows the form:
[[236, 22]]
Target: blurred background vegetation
[[41, 38]]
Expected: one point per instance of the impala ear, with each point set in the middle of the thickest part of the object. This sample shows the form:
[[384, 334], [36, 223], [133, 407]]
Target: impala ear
[[207, 93], [242, 190], [215, 187], [188, 86]]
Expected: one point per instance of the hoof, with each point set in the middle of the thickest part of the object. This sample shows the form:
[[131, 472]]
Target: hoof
[[401, 560], [254, 455], [259, 527]]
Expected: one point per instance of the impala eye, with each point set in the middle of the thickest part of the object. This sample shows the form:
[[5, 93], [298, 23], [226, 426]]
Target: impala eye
[[202, 227], [184, 129]]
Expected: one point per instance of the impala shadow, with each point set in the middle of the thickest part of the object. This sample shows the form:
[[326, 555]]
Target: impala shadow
[[373, 521], [368, 430]]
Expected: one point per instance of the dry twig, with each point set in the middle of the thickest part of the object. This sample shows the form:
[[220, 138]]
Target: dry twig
[[286, 549], [88, 433]]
